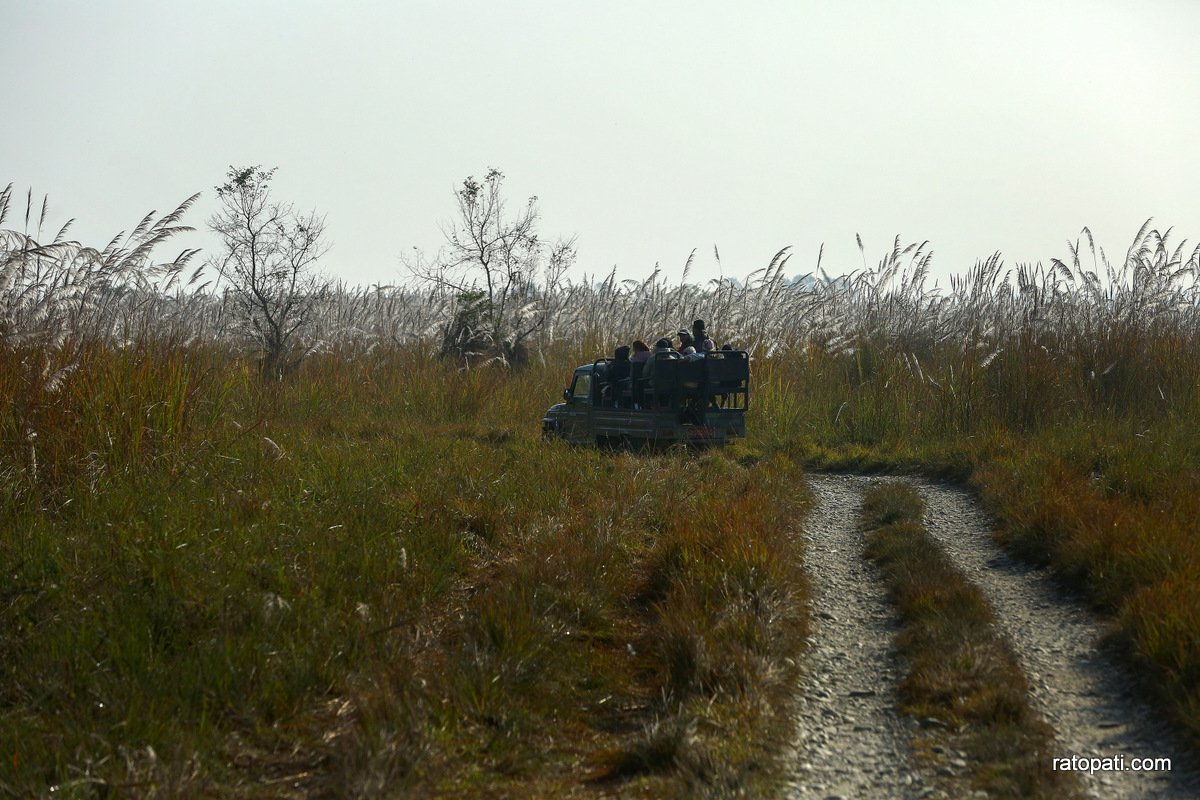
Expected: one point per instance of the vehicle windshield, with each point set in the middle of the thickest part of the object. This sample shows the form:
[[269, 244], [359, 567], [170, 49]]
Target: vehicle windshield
[[583, 388]]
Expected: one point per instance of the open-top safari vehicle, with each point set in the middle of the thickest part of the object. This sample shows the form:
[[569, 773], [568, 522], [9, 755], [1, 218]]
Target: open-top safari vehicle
[[699, 401]]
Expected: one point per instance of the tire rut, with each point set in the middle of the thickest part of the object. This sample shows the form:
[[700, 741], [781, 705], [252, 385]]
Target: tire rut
[[1079, 689], [852, 743]]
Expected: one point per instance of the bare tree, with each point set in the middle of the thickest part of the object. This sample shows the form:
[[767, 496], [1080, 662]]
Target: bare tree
[[267, 261], [491, 263]]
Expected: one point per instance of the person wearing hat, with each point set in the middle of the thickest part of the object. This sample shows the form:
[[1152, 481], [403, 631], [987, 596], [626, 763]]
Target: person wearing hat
[[703, 343]]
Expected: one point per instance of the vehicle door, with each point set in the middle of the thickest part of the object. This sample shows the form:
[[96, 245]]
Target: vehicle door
[[577, 417]]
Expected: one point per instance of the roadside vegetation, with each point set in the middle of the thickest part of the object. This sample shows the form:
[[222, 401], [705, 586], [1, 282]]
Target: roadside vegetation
[[963, 686], [372, 573], [1068, 397]]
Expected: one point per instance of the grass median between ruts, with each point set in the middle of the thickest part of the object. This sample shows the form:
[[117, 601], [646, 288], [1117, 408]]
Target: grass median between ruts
[[964, 685]]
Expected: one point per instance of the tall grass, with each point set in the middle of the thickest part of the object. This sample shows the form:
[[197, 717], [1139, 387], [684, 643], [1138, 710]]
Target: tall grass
[[374, 573], [373, 577]]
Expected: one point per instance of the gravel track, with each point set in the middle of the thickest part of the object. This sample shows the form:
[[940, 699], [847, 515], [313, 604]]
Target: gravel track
[[852, 743], [1078, 688]]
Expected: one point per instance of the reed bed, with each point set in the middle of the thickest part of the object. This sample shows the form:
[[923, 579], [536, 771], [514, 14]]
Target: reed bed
[[220, 584]]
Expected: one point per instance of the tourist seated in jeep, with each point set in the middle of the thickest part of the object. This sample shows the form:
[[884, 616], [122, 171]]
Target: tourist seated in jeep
[[662, 352], [619, 387]]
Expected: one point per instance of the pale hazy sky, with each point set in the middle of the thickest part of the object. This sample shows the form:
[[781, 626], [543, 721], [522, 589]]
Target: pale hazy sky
[[645, 128]]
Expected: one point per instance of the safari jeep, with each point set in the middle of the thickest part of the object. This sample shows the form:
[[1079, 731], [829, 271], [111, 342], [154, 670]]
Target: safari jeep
[[697, 402]]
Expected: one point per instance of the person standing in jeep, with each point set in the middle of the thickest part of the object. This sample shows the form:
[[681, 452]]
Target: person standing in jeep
[[701, 339]]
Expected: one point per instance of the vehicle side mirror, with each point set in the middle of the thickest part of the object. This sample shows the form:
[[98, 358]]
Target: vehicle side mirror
[[567, 395]]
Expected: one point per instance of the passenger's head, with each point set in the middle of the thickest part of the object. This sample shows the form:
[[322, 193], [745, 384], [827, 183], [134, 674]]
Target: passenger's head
[[664, 342], [686, 340], [639, 346], [682, 332], [698, 329], [622, 353]]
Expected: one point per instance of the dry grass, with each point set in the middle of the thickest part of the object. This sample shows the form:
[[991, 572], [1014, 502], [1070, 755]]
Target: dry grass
[[377, 577], [190, 544]]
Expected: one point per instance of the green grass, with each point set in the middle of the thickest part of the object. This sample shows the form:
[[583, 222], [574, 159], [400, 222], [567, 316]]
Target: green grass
[[377, 577]]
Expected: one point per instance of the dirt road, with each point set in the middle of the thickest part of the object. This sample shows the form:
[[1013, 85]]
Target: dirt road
[[853, 743]]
